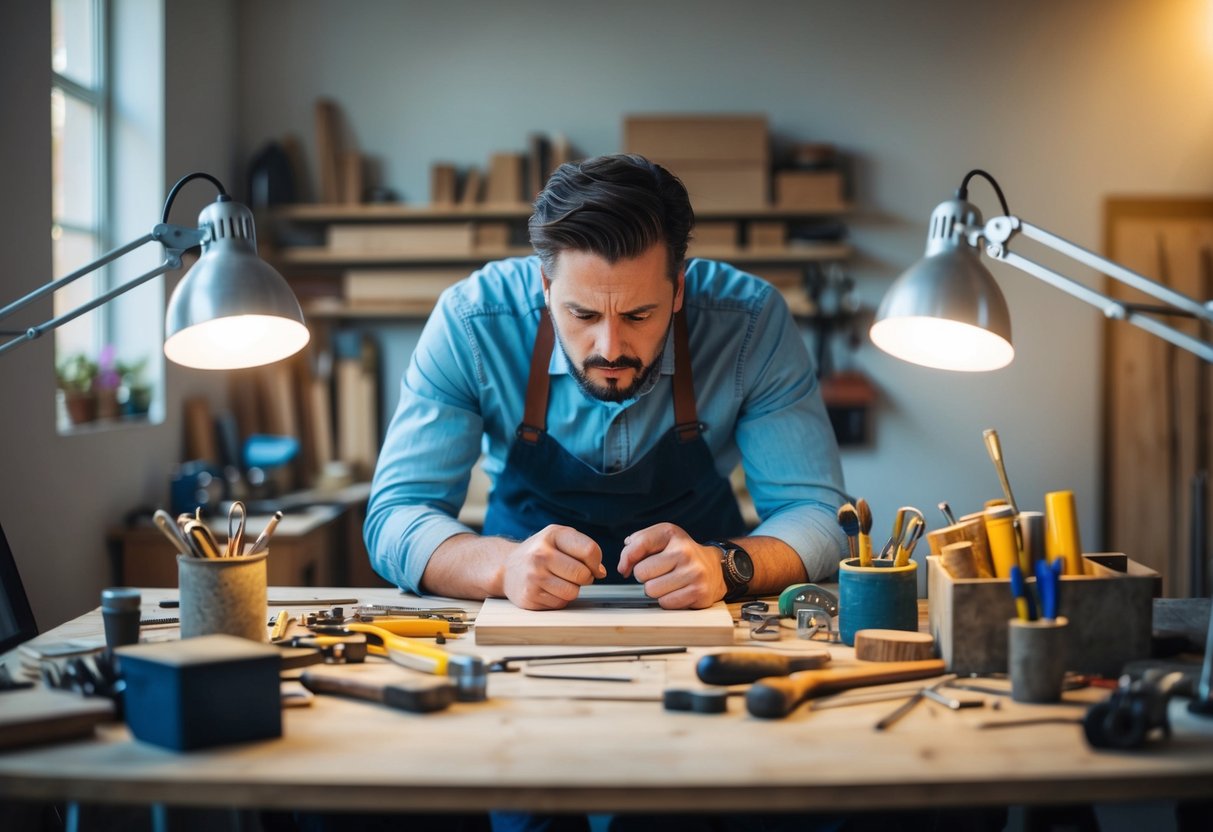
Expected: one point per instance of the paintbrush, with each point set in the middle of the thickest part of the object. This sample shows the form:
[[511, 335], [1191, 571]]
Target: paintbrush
[[848, 518], [865, 528]]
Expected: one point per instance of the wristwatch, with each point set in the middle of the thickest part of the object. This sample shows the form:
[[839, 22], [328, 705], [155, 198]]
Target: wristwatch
[[737, 566]]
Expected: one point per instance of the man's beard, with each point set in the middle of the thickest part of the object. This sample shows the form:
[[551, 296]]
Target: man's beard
[[613, 392]]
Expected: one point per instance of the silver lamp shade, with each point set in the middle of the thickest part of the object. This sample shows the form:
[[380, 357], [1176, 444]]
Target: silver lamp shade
[[232, 309], [946, 311]]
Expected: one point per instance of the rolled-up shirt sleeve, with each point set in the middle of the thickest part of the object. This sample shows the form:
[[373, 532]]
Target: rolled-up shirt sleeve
[[788, 448], [432, 442]]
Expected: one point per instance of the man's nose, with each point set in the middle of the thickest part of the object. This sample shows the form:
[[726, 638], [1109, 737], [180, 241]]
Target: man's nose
[[609, 344]]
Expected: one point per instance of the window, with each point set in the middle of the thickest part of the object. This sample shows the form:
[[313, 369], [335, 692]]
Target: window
[[104, 375]]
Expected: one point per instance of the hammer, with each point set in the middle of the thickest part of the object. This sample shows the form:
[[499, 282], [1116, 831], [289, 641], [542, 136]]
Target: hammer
[[776, 697]]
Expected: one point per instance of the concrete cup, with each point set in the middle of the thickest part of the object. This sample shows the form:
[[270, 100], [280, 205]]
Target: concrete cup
[[223, 595]]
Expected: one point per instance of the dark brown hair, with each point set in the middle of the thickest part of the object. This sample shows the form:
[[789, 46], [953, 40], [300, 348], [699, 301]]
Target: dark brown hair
[[614, 206]]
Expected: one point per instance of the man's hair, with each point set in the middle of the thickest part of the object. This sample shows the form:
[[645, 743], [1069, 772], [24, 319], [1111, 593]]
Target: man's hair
[[616, 207]]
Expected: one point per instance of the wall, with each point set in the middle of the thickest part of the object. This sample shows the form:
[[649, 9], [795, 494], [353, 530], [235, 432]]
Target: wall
[[59, 495], [1065, 103]]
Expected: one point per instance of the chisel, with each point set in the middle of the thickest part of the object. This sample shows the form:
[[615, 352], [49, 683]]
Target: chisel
[[421, 697], [740, 667], [775, 698]]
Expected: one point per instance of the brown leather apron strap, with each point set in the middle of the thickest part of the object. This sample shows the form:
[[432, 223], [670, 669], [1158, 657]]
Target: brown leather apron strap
[[686, 417], [535, 416]]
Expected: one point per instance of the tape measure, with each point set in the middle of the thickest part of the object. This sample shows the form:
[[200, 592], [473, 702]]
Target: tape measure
[[805, 596]]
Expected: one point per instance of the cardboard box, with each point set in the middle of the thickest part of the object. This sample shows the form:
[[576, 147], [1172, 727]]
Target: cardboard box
[[1110, 610], [715, 235], [808, 189], [768, 234], [202, 692], [418, 239], [374, 287], [741, 139], [724, 185]]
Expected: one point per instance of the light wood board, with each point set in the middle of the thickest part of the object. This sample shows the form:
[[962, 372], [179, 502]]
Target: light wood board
[[604, 615]]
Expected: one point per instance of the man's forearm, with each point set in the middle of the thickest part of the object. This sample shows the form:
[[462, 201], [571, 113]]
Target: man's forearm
[[467, 566], [776, 565]]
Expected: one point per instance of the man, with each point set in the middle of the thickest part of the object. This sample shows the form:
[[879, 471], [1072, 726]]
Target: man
[[611, 387]]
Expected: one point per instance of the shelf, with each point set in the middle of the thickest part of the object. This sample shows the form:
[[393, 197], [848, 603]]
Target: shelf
[[320, 212], [375, 212], [321, 256]]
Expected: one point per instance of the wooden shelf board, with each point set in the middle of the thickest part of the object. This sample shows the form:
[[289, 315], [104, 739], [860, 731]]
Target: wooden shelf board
[[322, 212], [321, 256]]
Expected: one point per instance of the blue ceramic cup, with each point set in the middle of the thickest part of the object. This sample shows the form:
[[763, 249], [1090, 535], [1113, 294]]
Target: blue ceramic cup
[[880, 596]]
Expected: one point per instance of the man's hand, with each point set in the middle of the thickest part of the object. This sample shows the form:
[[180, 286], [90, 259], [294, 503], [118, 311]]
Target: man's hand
[[548, 569], [674, 569]]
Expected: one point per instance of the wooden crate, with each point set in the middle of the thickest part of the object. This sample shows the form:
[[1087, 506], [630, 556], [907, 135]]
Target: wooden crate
[[1110, 610]]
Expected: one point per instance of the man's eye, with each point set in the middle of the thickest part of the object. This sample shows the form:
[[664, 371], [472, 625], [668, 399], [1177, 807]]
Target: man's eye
[[583, 316], [637, 318]]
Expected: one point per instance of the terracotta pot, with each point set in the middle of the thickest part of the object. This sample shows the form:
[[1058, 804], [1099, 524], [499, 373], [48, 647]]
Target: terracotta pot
[[107, 404], [81, 407]]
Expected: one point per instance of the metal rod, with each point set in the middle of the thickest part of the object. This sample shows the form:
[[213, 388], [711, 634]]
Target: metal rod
[[1118, 272], [37, 331], [104, 259]]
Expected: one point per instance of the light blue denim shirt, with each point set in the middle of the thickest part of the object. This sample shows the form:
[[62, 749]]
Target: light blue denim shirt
[[464, 391]]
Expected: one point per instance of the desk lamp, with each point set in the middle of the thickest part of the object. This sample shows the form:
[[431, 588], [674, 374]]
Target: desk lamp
[[947, 312], [231, 310]]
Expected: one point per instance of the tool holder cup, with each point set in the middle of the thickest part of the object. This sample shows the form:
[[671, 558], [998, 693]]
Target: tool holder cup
[[223, 596], [1036, 658], [881, 596]]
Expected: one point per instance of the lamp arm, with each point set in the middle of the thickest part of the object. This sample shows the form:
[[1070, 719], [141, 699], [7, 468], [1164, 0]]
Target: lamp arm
[[176, 241], [998, 232]]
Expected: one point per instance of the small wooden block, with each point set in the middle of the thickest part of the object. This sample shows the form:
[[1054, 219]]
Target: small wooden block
[[893, 646], [37, 715]]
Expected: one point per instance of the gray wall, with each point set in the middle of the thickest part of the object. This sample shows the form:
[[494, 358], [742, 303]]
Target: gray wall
[[59, 495], [1066, 103]]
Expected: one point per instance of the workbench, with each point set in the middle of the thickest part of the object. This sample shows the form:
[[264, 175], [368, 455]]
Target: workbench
[[569, 754]]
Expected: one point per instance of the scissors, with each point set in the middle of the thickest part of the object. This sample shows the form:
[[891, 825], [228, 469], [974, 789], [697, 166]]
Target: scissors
[[235, 529]]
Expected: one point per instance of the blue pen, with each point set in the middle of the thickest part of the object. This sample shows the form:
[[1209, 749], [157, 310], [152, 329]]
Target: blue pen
[[1023, 605], [1047, 579]]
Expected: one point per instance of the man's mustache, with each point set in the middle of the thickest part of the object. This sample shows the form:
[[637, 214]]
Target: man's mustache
[[623, 363]]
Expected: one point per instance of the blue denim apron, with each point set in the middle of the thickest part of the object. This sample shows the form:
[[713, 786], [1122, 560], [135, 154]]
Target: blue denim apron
[[675, 482]]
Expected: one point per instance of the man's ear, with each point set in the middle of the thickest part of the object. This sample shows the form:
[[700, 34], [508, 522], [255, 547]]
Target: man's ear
[[678, 293], [547, 287]]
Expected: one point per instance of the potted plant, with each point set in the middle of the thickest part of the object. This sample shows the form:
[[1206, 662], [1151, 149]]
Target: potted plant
[[75, 375], [106, 383], [136, 393]]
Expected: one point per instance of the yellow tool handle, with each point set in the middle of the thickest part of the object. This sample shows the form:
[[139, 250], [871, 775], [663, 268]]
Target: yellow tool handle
[[1004, 545], [865, 549], [778, 696], [415, 627], [281, 622], [406, 651], [1061, 531]]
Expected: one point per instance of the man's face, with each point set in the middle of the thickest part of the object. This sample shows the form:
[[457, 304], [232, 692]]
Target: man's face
[[612, 319]]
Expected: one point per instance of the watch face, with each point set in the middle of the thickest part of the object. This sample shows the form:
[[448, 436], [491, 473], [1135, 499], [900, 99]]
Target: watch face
[[743, 564]]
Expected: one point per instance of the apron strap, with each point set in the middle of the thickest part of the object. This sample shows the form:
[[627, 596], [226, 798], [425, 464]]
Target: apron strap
[[535, 416], [686, 417]]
